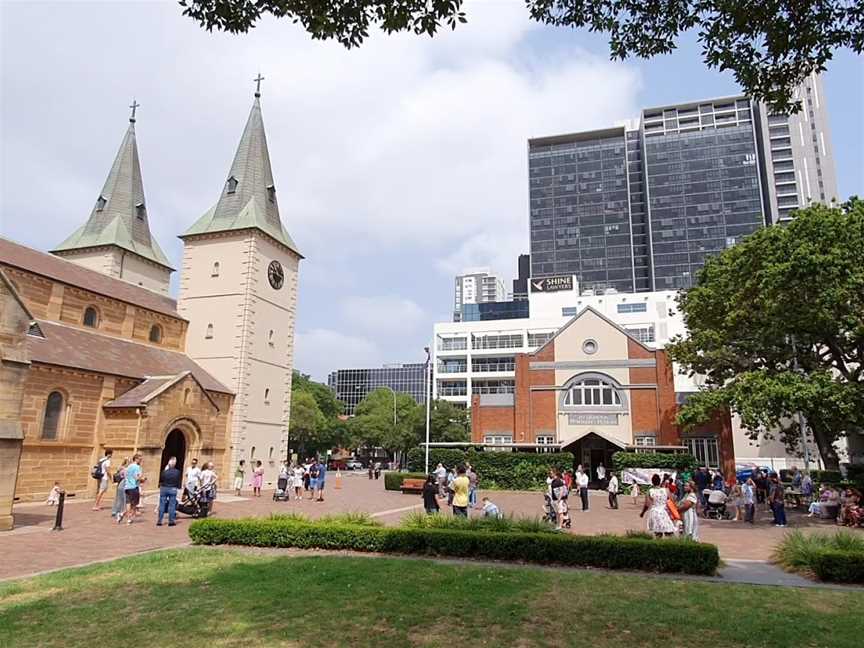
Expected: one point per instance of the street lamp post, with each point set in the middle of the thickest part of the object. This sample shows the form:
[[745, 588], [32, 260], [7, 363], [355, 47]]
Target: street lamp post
[[428, 399]]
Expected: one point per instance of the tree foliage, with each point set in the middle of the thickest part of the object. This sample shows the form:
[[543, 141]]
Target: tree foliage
[[784, 295], [447, 423], [770, 45], [315, 424]]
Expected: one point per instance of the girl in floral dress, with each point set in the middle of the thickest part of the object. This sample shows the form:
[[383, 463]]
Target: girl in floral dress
[[257, 479], [688, 510], [659, 522]]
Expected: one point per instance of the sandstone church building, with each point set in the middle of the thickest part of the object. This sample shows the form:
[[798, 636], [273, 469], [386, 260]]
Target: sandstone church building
[[94, 353]]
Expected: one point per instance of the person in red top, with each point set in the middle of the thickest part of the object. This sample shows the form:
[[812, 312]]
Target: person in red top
[[568, 479]]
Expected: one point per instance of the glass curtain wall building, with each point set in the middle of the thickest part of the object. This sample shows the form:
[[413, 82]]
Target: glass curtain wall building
[[638, 209], [352, 385]]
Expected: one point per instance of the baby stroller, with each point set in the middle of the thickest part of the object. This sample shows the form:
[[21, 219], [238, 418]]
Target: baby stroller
[[549, 513], [281, 493], [194, 504], [715, 505]]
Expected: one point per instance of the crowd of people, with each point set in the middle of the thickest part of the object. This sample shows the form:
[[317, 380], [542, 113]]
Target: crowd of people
[[459, 485], [309, 477]]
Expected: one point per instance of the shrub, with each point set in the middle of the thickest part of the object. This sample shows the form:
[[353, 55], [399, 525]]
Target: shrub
[[498, 470], [821, 553], [358, 518], [658, 460], [509, 524], [839, 566], [393, 480], [611, 552]]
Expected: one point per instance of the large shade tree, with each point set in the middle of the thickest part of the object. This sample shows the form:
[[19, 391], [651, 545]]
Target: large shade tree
[[315, 424], [776, 326], [769, 45]]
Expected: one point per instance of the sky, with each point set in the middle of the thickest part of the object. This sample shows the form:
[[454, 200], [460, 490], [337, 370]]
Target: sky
[[398, 164]]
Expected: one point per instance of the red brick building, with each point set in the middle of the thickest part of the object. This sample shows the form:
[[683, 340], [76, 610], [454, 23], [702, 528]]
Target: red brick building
[[593, 390]]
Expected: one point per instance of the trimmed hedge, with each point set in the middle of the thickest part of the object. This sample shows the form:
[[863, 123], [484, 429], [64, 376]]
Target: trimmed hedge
[[393, 480], [839, 566], [501, 470], [658, 460], [608, 552]]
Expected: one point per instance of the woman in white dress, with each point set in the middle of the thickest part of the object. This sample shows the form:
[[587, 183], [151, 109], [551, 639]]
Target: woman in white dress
[[687, 507], [659, 522]]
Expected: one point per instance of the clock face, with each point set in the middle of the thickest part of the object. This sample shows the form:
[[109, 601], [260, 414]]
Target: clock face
[[275, 275]]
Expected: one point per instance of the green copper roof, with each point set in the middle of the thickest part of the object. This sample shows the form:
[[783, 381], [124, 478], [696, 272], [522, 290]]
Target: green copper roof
[[248, 198], [119, 216]]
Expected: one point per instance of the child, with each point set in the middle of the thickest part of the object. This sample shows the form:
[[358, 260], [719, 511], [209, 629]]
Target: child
[[634, 492], [54, 495], [299, 473], [490, 510]]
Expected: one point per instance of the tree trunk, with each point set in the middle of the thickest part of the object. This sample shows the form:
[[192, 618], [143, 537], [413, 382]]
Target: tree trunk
[[824, 440]]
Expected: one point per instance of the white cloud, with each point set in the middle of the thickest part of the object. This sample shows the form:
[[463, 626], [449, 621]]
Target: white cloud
[[319, 351], [386, 315]]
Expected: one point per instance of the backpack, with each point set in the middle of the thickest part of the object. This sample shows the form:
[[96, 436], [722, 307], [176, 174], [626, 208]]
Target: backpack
[[96, 472]]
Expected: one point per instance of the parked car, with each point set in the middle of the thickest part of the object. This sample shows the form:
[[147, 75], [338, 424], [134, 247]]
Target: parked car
[[353, 464], [745, 472]]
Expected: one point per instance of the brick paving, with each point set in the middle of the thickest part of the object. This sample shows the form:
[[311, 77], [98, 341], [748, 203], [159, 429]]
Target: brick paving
[[90, 536]]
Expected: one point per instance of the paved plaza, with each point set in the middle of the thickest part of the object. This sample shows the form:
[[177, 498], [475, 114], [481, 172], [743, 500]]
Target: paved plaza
[[89, 536]]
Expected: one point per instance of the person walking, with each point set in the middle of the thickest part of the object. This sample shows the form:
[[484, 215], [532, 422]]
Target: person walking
[[104, 478], [119, 505], [132, 485], [612, 489], [299, 474], [169, 482], [430, 494], [777, 497], [193, 476], [257, 479], [635, 492], [441, 478], [319, 484], [239, 476], [313, 479], [687, 508], [659, 522], [451, 476], [582, 482], [460, 488], [601, 475], [473, 481], [701, 480], [748, 498], [736, 497], [209, 478]]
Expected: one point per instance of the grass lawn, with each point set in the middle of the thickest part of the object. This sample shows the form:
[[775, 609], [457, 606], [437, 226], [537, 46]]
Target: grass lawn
[[215, 597]]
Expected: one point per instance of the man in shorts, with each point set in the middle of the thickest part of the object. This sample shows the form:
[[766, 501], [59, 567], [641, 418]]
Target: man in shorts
[[105, 480], [319, 483], [132, 487]]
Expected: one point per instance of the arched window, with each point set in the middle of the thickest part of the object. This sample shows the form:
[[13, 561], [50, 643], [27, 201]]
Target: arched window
[[593, 391], [156, 333], [252, 454], [215, 271], [186, 396], [53, 415], [270, 338], [271, 453], [209, 334], [267, 396], [91, 317]]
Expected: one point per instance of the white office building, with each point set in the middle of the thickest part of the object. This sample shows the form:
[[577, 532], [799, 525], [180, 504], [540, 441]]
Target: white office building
[[478, 357], [477, 286]]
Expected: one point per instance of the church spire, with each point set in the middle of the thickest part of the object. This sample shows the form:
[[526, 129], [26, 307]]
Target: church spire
[[119, 217], [248, 198]]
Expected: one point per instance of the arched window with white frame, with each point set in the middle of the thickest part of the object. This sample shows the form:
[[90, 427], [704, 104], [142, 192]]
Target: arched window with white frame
[[593, 392]]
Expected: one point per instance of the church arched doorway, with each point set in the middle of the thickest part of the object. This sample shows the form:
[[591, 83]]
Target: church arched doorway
[[175, 446]]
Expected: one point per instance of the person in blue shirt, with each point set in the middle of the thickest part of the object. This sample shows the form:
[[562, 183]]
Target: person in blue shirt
[[132, 487], [319, 485]]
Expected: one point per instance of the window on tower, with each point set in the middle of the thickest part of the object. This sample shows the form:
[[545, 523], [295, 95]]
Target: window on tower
[[215, 271], [270, 340], [231, 185], [209, 334], [271, 193], [267, 396], [140, 211], [91, 317], [100, 203]]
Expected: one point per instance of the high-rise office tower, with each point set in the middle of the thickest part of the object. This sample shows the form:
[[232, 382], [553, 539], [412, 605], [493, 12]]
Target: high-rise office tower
[[351, 386], [520, 284], [476, 286], [640, 208]]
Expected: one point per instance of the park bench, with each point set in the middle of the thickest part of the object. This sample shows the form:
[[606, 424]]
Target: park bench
[[412, 485]]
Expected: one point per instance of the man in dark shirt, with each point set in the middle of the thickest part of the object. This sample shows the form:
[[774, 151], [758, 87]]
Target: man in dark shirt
[[169, 482], [701, 479]]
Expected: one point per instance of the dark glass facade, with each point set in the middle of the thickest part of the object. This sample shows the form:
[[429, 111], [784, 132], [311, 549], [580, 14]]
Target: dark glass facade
[[494, 311], [352, 385], [640, 210], [704, 196], [580, 216]]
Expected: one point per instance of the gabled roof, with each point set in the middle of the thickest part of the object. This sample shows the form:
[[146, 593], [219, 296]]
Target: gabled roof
[[601, 316], [72, 274], [14, 292], [152, 388], [67, 346], [119, 216], [248, 199]]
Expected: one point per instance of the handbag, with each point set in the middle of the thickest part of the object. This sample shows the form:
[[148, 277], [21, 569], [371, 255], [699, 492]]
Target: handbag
[[672, 507]]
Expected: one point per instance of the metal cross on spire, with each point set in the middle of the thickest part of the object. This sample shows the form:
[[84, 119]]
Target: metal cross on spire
[[134, 107], [258, 81]]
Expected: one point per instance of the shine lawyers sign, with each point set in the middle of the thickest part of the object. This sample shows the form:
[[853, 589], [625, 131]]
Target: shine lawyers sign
[[552, 284]]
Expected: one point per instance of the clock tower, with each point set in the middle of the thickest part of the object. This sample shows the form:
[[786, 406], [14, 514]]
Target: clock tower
[[238, 289]]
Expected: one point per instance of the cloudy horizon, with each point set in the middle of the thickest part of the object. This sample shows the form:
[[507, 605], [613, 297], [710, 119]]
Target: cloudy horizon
[[398, 164]]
